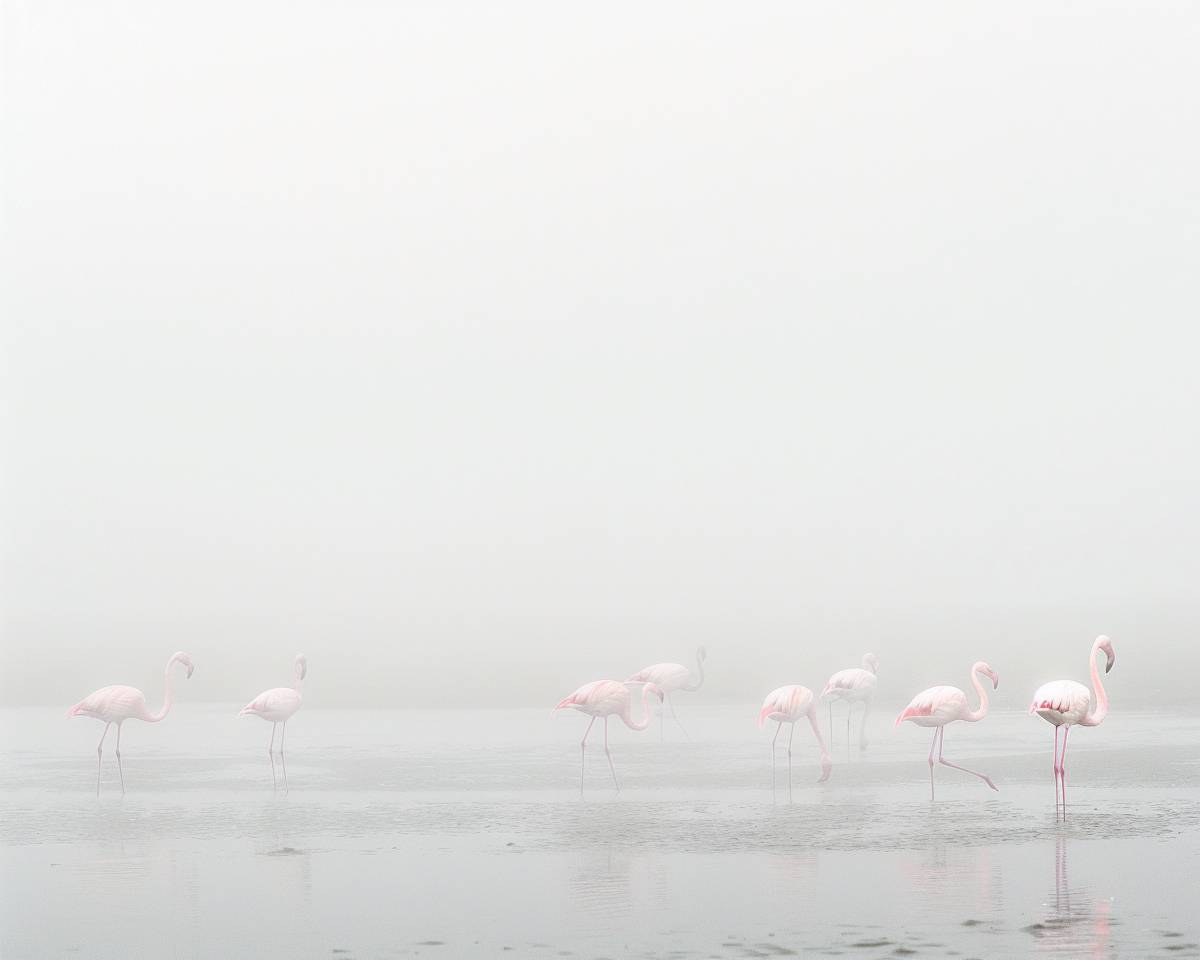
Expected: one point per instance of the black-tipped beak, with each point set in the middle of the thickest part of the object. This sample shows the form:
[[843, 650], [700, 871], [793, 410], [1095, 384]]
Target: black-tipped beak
[[1108, 666], [996, 683], [190, 669]]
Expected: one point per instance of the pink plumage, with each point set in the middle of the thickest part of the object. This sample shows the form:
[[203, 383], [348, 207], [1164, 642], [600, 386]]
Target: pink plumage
[[670, 677]]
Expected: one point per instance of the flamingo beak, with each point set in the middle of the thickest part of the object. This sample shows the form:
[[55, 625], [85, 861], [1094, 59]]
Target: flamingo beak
[[1108, 666]]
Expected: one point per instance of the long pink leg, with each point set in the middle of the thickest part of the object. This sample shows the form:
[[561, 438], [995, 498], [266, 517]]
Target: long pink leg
[[791, 734], [120, 771], [282, 760], [774, 740], [1056, 769], [936, 733], [608, 753], [831, 724], [99, 753], [986, 779], [1062, 769], [271, 756], [671, 704], [583, 752]]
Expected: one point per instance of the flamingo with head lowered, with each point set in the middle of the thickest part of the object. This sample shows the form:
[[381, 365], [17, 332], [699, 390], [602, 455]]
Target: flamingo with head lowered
[[277, 706], [604, 698], [117, 704], [1065, 703], [669, 677], [787, 705], [939, 706], [856, 685]]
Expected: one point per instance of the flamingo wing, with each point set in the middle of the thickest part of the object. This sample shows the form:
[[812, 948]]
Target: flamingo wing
[[935, 706], [1065, 697], [111, 704], [275, 704], [665, 676], [599, 697], [849, 682], [789, 702]]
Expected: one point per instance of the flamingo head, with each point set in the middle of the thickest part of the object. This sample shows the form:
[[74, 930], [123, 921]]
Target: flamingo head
[[301, 668], [871, 662], [701, 654], [654, 689], [990, 674], [1103, 643], [186, 661]]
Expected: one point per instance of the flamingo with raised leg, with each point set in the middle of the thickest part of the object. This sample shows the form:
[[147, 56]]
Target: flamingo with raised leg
[[1066, 703], [277, 706], [856, 685], [787, 705], [606, 698], [117, 704], [939, 706], [669, 677]]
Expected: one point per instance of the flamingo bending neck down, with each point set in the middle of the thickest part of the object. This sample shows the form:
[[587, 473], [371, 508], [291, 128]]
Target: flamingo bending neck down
[[120, 703], [669, 677], [939, 706], [1066, 703], [277, 706], [787, 705], [605, 698], [856, 685]]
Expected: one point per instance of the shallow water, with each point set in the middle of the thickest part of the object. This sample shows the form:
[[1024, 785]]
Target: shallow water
[[463, 834]]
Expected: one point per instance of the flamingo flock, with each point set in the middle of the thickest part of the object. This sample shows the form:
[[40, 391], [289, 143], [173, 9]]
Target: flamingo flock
[[1062, 703]]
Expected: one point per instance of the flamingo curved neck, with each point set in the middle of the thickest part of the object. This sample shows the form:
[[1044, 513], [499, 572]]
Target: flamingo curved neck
[[691, 687], [645, 721], [981, 711], [166, 704], [1100, 700]]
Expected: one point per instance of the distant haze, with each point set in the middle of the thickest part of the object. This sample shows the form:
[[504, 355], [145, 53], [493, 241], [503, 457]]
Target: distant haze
[[482, 350]]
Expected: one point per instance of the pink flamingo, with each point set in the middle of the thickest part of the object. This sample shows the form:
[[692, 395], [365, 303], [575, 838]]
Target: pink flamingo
[[669, 677], [1066, 702], [117, 704], [603, 698], [856, 685], [939, 706], [277, 705], [787, 705]]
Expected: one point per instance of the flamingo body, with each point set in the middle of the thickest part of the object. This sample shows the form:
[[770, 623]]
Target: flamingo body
[[786, 704], [1062, 702], [935, 707], [114, 704]]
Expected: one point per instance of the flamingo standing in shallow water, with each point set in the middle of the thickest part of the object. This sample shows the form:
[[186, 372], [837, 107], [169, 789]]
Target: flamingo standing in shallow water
[[118, 704], [604, 698], [856, 685], [787, 705], [669, 677], [277, 705], [1066, 702], [939, 706]]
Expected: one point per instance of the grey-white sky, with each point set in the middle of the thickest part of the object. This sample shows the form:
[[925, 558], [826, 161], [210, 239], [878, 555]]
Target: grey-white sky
[[507, 346]]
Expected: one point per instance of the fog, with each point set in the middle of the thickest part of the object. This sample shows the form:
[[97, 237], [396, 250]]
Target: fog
[[481, 351]]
